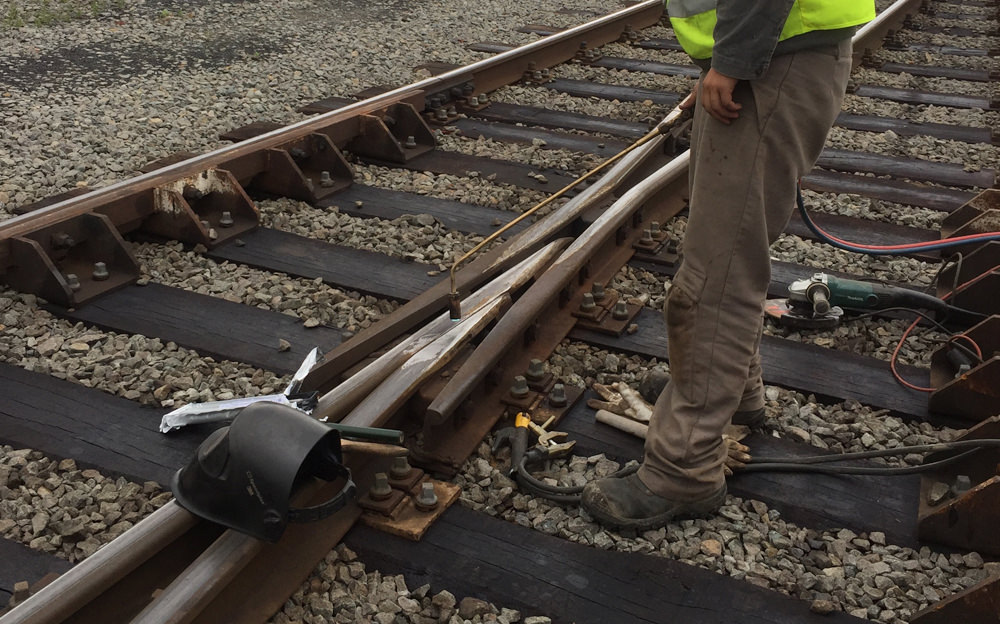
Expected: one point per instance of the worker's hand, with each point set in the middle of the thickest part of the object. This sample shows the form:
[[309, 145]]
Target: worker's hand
[[737, 456], [717, 96]]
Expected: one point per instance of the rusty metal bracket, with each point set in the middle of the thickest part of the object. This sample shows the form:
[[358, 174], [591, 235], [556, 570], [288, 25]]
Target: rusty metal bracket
[[307, 169], [959, 502], [411, 519], [972, 393], [555, 406], [395, 134], [533, 76], [71, 262], [620, 314], [979, 603], [587, 55], [979, 215], [980, 296], [594, 310], [209, 208]]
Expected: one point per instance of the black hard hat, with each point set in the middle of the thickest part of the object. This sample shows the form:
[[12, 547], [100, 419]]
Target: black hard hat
[[243, 475]]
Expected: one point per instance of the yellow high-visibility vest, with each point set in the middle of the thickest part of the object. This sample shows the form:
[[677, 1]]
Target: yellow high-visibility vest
[[693, 21]]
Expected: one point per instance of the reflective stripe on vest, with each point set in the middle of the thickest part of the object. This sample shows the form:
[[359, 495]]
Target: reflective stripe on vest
[[693, 21]]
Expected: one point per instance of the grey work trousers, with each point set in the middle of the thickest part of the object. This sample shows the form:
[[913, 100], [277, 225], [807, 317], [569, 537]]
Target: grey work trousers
[[742, 183]]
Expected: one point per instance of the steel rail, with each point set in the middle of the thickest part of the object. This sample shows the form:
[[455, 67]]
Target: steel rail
[[488, 74], [64, 596], [539, 295], [870, 36]]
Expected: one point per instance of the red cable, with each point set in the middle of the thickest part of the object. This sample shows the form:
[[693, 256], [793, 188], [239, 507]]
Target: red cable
[[902, 339]]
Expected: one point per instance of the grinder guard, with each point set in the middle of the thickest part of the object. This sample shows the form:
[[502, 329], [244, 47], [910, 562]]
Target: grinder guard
[[243, 476]]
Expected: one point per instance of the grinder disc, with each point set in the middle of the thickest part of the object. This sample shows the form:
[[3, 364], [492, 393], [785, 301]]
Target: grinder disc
[[799, 318]]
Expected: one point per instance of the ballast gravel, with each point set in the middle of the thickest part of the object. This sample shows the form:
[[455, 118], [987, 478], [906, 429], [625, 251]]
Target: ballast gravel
[[342, 589], [56, 507]]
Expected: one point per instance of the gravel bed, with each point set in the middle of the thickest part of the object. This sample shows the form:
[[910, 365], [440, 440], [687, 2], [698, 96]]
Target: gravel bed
[[929, 58], [875, 209], [341, 589], [641, 80], [641, 112], [312, 301], [56, 507], [418, 237], [472, 188], [973, 156], [863, 75], [535, 155], [983, 42], [133, 367]]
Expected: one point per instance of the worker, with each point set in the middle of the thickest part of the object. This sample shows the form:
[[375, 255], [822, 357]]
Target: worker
[[773, 81]]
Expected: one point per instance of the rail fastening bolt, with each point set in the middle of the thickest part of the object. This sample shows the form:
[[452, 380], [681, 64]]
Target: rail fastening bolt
[[620, 311], [483, 99], [647, 236], [400, 468], [587, 305], [520, 388], [325, 180], [557, 397], [73, 281], [226, 220], [427, 499], [536, 371], [654, 227], [441, 114], [411, 142], [101, 272], [597, 290], [380, 490]]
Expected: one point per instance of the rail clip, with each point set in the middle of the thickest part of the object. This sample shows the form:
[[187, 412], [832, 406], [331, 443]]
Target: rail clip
[[979, 215], [71, 262], [959, 502], [396, 134], [209, 208], [967, 389], [981, 295]]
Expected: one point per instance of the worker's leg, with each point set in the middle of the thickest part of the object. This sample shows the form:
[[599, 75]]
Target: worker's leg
[[715, 306], [753, 390], [742, 194]]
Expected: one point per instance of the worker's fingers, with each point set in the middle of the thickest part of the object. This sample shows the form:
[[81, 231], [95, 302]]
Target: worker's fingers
[[607, 393], [717, 97], [614, 407], [737, 455]]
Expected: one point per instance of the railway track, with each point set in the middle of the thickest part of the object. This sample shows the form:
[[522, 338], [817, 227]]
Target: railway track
[[288, 232]]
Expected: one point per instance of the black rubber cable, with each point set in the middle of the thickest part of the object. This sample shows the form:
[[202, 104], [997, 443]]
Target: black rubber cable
[[809, 463], [853, 470]]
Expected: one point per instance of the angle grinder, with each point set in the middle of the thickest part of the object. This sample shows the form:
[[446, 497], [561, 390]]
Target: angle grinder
[[819, 302]]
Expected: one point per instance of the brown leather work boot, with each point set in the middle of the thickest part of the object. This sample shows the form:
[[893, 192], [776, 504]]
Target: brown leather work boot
[[626, 502]]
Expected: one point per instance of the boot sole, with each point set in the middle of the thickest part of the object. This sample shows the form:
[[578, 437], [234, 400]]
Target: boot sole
[[686, 511]]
